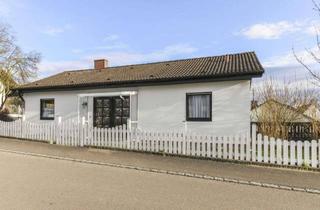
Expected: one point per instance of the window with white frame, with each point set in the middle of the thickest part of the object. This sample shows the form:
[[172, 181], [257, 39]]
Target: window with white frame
[[199, 106]]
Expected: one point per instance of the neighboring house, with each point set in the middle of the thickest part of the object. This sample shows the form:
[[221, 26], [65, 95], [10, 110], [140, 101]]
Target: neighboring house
[[312, 111], [262, 112], [300, 123], [1, 94], [208, 94]]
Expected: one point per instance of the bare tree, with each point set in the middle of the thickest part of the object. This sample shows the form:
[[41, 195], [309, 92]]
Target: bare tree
[[16, 66], [314, 54], [281, 105]]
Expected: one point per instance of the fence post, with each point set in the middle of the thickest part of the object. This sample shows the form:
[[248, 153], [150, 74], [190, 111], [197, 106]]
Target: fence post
[[51, 126], [58, 131], [254, 141], [82, 133], [319, 153], [22, 126], [279, 151], [184, 142], [314, 154], [265, 149], [129, 126], [306, 153]]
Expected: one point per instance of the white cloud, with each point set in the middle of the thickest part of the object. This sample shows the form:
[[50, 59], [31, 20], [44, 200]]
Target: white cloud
[[111, 37], [54, 30], [277, 30], [47, 68], [176, 49], [281, 82], [124, 57], [77, 51], [110, 43], [113, 46], [4, 8], [288, 59], [285, 67], [116, 58], [9, 8], [312, 30], [270, 30]]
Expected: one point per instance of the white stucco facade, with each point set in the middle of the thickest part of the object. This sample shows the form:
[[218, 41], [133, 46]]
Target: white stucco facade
[[160, 107]]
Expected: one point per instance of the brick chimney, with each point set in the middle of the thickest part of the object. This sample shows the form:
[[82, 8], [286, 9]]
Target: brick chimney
[[100, 64]]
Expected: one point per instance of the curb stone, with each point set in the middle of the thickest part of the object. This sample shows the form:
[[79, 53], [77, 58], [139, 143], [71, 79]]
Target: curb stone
[[197, 176], [270, 185], [174, 173], [255, 183], [243, 182], [285, 187], [230, 180], [180, 173], [207, 177], [299, 189], [218, 179], [313, 191]]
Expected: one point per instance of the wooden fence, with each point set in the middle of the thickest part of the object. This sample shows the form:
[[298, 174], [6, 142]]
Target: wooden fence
[[253, 148], [294, 131]]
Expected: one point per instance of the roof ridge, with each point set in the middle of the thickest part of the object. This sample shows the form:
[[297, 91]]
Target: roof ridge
[[167, 61]]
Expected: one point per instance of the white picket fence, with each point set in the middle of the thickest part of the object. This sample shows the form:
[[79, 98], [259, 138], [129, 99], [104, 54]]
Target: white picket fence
[[253, 148]]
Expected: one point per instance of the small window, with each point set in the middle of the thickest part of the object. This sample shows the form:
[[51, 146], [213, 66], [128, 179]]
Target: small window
[[47, 109], [199, 106]]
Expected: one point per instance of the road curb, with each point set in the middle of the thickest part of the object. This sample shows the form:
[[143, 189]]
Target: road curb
[[175, 173]]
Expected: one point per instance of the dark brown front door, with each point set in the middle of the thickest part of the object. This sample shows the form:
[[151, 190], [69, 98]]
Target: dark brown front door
[[111, 111]]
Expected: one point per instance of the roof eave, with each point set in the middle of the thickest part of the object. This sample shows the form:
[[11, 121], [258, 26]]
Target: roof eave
[[149, 82]]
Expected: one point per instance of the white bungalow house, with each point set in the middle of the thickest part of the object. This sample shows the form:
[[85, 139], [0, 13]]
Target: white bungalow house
[[208, 94]]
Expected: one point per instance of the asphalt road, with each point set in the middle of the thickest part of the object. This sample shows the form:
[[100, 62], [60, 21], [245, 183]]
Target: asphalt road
[[273, 175], [28, 182]]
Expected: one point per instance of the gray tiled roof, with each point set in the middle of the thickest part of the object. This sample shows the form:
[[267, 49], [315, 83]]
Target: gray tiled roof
[[214, 67]]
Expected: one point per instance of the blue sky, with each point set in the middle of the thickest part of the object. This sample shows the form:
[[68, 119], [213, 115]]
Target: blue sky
[[70, 34]]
